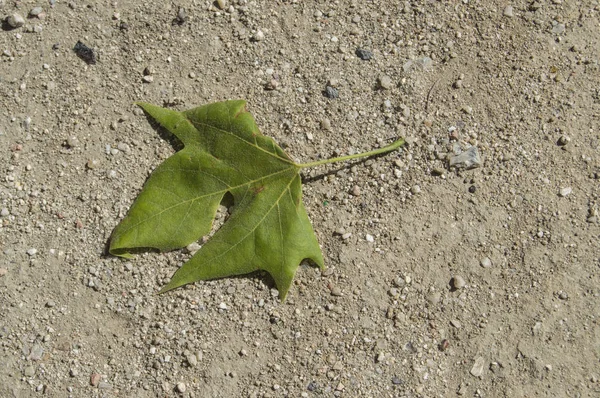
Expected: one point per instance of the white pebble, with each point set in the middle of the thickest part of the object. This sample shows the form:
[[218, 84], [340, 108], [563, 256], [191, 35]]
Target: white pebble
[[259, 35], [222, 306], [181, 387], [565, 191], [32, 252], [4, 212], [486, 262], [369, 238]]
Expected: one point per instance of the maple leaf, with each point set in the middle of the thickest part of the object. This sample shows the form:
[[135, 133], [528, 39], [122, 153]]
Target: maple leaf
[[224, 152]]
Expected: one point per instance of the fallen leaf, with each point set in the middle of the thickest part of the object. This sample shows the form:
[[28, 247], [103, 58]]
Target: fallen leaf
[[224, 152]]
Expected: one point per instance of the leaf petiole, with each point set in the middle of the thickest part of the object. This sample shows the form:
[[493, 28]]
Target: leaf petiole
[[393, 146]]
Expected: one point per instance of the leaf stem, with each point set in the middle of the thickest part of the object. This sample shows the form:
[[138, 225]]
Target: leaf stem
[[392, 147]]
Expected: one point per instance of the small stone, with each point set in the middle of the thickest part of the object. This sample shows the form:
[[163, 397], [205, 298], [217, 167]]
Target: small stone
[[191, 360], [193, 247], [477, 369], [3, 271], [415, 189], [469, 159], [347, 235], [558, 29], [4, 212], [385, 82], [36, 11], [564, 140], [29, 371], [486, 262], [508, 11], [535, 6], [15, 20], [95, 379], [331, 92], [103, 385], [259, 35], [37, 352], [565, 192], [72, 142], [467, 109], [369, 238], [340, 387], [363, 54], [222, 4], [92, 164], [325, 124], [458, 282], [73, 372], [148, 79], [50, 304], [181, 387], [336, 291], [380, 357], [32, 252], [222, 306], [123, 147], [355, 190]]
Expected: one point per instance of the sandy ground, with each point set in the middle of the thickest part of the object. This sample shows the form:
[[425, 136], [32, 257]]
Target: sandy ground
[[440, 281]]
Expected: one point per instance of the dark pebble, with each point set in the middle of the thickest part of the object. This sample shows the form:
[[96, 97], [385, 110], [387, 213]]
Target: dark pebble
[[331, 92], [85, 53], [312, 386], [397, 381], [472, 188], [365, 55]]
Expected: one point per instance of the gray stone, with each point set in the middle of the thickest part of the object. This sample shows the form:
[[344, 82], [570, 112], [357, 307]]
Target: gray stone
[[469, 159], [477, 369], [15, 20]]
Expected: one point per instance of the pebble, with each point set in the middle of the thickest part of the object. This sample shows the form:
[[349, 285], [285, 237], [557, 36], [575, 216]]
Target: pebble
[[370, 238], [103, 385], [3, 271], [336, 291], [148, 79], [566, 191], [35, 11], [385, 82], [29, 371], [469, 159], [15, 20], [325, 124], [331, 92], [95, 379], [508, 11], [363, 54], [486, 262], [191, 360], [458, 282], [564, 140], [477, 369], [37, 352], [32, 252], [355, 190], [4, 212], [222, 306], [347, 235], [415, 189], [259, 35], [222, 4], [181, 387]]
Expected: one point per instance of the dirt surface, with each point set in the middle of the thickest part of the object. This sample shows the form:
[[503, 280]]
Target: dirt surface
[[441, 281]]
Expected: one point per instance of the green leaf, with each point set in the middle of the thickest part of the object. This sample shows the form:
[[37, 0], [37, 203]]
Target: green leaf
[[224, 152]]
